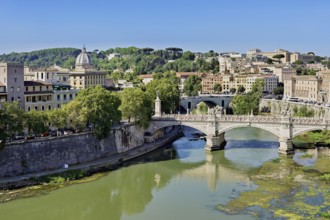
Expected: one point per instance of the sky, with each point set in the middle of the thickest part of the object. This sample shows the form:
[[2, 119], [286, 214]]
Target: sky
[[195, 25]]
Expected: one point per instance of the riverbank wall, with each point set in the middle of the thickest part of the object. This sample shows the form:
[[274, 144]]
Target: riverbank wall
[[277, 106], [51, 153]]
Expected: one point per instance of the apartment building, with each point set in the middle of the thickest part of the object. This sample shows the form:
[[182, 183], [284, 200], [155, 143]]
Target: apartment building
[[303, 87], [38, 95], [208, 83]]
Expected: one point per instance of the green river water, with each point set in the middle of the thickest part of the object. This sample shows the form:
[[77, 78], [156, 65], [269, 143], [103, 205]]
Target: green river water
[[247, 180]]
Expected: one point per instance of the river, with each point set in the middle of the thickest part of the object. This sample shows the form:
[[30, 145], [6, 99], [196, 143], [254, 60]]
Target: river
[[182, 181]]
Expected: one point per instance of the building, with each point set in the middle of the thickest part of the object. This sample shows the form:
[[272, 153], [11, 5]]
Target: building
[[113, 55], [303, 87], [325, 87], [208, 83], [84, 75], [227, 82], [270, 55], [12, 77], [183, 76], [3, 93], [63, 94], [146, 78], [253, 52], [306, 58], [285, 72], [38, 95]]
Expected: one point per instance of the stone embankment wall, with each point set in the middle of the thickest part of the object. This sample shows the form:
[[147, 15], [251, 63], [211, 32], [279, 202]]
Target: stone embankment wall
[[276, 107], [42, 154]]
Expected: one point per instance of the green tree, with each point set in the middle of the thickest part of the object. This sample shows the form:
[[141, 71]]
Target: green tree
[[241, 89], [192, 85], [11, 121], [58, 117], [217, 88], [232, 90], [36, 122], [187, 55], [101, 108], [269, 61], [304, 112], [76, 115], [137, 105], [278, 57], [168, 90], [244, 104]]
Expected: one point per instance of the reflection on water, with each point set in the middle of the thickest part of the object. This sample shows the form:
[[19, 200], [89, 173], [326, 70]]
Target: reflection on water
[[179, 182]]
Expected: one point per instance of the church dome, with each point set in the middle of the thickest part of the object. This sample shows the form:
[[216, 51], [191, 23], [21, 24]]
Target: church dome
[[83, 61]]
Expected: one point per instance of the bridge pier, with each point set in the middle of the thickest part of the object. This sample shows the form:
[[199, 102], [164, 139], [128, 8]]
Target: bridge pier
[[217, 142], [286, 146]]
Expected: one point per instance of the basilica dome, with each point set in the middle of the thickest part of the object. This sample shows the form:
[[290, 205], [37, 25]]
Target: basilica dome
[[83, 61]]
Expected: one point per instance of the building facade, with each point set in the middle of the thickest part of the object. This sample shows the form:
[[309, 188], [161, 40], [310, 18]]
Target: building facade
[[12, 77], [303, 87], [38, 96], [208, 83]]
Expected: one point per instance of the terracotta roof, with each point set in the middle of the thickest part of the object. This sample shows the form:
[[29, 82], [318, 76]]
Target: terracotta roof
[[146, 76], [186, 73]]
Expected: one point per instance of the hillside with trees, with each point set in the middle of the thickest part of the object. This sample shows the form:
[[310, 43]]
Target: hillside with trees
[[132, 60], [44, 58]]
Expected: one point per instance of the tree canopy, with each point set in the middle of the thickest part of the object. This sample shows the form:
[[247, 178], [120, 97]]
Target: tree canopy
[[192, 85]]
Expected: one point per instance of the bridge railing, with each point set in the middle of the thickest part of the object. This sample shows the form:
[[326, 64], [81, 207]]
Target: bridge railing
[[241, 118]]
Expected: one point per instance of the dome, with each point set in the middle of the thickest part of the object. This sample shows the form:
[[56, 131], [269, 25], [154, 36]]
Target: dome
[[83, 61]]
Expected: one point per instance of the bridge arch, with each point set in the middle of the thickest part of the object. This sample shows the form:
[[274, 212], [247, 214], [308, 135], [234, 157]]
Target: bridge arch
[[152, 128], [295, 134], [269, 129]]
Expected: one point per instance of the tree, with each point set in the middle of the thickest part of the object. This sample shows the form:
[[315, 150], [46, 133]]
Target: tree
[[278, 57], [36, 122], [58, 117], [298, 62], [241, 89], [98, 107], [11, 121], [192, 85], [136, 104], [232, 90], [187, 55], [279, 90], [269, 61], [244, 104], [217, 88], [168, 90]]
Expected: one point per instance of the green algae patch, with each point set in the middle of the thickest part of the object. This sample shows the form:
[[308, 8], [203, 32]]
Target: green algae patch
[[285, 190], [48, 184]]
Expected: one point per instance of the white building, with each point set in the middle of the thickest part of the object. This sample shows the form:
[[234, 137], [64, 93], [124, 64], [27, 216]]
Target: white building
[[113, 55], [270, 81]]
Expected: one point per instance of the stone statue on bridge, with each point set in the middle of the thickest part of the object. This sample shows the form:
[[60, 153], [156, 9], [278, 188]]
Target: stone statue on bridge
[[215, 111], [286, 112]]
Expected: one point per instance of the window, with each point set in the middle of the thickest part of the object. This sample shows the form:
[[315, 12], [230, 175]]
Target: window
[[29, 108], [58, 97], [26, 88], [12, 99], [33, 88], [42, 75], [64, 97], [12, 89], [70, 96], [49, 107], [42, 108], [40, 88], [15, 79], [18, 89], [58, 106], [36, 108], [15, 70]]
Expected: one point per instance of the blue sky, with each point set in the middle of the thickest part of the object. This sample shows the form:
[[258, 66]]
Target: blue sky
[[221, 25]]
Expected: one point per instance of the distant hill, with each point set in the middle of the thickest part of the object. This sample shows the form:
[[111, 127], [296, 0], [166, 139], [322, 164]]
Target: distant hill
[[43, 58]]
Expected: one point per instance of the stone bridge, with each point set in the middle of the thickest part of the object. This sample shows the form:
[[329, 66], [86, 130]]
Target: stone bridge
[[215, 126], [189, 103]]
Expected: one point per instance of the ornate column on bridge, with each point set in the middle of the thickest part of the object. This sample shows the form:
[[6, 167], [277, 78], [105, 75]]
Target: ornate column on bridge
[[158, 107], [214, 140], [286, 146]]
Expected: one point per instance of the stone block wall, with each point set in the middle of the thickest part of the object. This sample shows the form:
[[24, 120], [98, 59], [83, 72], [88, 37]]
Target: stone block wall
[[43, 154]]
